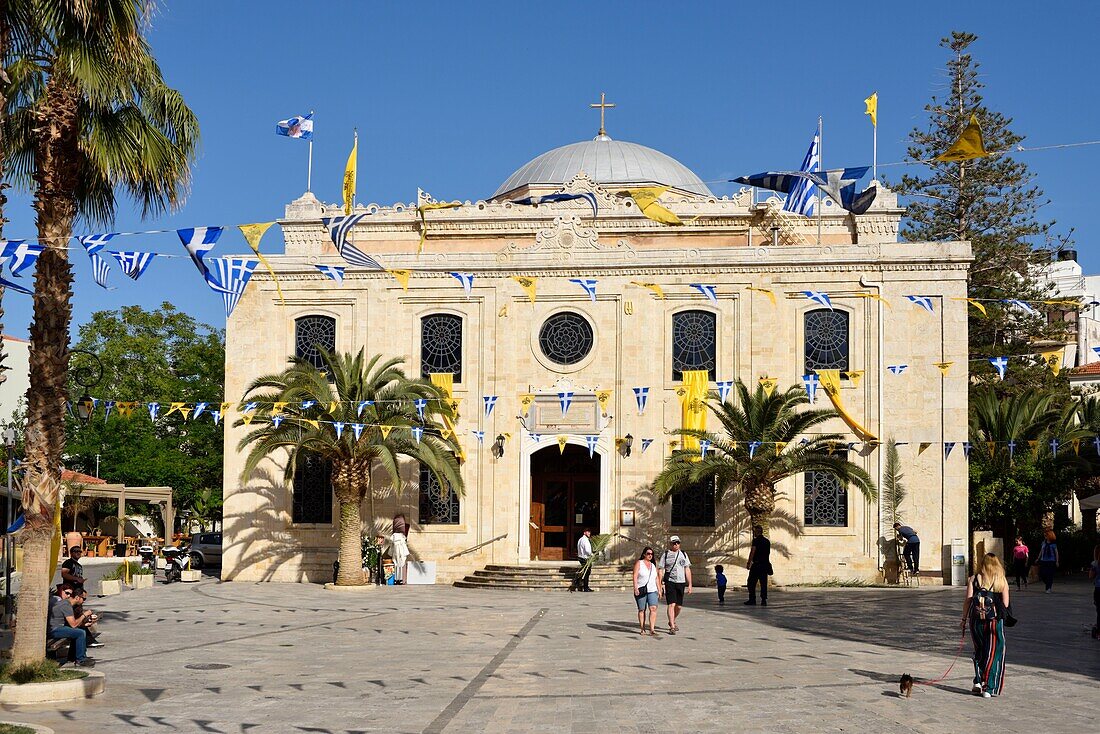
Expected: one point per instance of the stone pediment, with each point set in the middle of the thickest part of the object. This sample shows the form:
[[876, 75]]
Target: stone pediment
[[567, 240]]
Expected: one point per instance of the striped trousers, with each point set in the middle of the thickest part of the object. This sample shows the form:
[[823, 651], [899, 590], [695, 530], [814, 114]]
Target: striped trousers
[[989, 654]]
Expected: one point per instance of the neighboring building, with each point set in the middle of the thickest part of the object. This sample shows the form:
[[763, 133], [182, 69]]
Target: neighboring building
[[1069, 282], [17, 370], [535, 499]]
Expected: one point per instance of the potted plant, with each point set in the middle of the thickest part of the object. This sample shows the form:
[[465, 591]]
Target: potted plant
[[111, 583], [142, 577]]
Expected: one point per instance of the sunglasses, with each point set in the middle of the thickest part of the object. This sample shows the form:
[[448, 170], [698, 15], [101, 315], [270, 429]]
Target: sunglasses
[[649, 553], [675, 542]]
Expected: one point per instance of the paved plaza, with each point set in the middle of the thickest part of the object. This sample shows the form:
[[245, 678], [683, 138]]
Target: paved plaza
[[234, 657]]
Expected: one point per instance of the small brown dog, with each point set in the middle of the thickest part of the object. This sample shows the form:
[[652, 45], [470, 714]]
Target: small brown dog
[[906, 685]]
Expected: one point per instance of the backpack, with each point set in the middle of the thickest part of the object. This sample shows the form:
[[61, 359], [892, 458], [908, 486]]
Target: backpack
[[985, 606]]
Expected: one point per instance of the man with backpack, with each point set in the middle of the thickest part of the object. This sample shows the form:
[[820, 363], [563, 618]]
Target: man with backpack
[[674, 571]]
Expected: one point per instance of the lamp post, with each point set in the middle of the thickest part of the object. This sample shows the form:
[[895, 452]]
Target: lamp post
[[85, 370], [9, 547]]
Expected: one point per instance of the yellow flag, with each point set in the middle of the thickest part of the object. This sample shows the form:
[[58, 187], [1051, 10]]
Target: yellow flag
[[253, 233], [562, 441], [992, 446], [527, 284], [603, 397], [943, 367], [766, 291], [657, 290], [525, 400], [1034, 447], [1053, 360], [349, 176], [1076, 446], [125, 409], [922, 447], [872, 108], [424, 222], [247, 418], [445, 381], [830, 383], [854, 376], [969, 145], [694, 412], [332, 406], [973, 302], [779, 447], [402, 277], [225, 409], [177, 407], [769, 384], [313, 423], [875, 297], [647, 201], [445, 433], [385, 431]]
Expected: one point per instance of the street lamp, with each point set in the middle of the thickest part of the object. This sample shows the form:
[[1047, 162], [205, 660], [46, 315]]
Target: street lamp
[[85, 370], [498, 446]]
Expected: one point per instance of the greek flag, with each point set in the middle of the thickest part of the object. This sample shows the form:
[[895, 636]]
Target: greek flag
[[335, 272], [249, 407], [591, 441], [707, 290], [133, 263], [753, 446], [20, 255], [339, 228], [276, 420], [480, 436], [93, 243], [296, 127], [803, 197], [924, 302], [199, 408], [490, 403], [641, 394], [4, 282], [838, 184], [897, 369], [154, 408], [339, 428], [466, 279], [819, 297], [704, 446], [420, 404], [947, 447], [551, 198], [966, 449], [417, 433], [357, 429], [811, 383], [1023, 305], [307, 404], [724, 387], [589, 285], [645, 443], [361, 407], [565, 399], [198, 241], [1001, 364], [229, 276]]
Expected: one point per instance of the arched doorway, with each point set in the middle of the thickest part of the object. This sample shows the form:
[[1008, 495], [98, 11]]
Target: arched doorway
[[565, 499]]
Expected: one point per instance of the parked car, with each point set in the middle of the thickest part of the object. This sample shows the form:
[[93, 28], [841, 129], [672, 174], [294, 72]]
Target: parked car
[[206, 550]]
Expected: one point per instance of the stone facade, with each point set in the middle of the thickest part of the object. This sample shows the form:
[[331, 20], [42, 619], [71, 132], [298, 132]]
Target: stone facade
[[730, 243]]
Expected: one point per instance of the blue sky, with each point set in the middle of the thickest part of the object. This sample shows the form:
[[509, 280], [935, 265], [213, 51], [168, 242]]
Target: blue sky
[[453, 97]]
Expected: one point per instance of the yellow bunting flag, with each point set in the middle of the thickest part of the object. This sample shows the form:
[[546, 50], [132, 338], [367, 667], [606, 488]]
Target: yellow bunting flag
[[402, 277], [445, 433], [647, 201], [696, 385], [779, 445], [424, 222], [277, 408], [874, 297], [333, 406], [125, 409], [872, 108], [830, 383], [562, 441], [657, 290], [349, 176], [445, 381], [922, 447], [766, 291], [1053, 360], [253, 233], [1076, 446], [314, 424], [177, 407], [1034, 445], [224, 409], [943, 367], [769, 384], [854, 376], [525, 400], [385, 431], [603, 397], [527, 284], [992, 446], [246, 418], [969, 145], [975, 303]]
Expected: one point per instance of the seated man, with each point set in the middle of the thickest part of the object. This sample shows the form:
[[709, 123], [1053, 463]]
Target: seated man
[[71, 570], [62, 623], [91, 626]]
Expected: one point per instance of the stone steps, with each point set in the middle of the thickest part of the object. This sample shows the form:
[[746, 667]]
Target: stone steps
[[544, 578]]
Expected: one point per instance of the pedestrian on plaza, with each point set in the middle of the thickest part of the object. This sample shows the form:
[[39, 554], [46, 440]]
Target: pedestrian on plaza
[[399, 547], [71, 570], [1049, 559], [1020, 556], [1094, 574], [760, 566], [91, 619], [985, 609], [63, 624], [674, 574], [720, 579], [584, 552], [646, 590], [911, 552]]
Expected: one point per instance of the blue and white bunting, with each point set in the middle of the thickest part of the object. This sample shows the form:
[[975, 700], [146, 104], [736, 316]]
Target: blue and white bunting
[[707, 290], [1054, 446], [357, 430], [229, 276], [480, 436], [641, 395], [249, 407], [133, 263], [565, 399], [154, 409], [753, 446], [94, 243], [490, 402], [724, 387], [1022, 305], [591, 441], [100, 270], [811, 383], [553, 198], [307, 404], [947, 449], [339, 228], [20, 255], [421, 404], [199, 408], [199, 241], [1011, 449], [338, 426], [536, 437], [466, 279], [966, 449], [277, 420], [333, 272], [820, 297], [361, 407], [896, 369], [15, 286], [588, 284], [217, 416], [646, 443], [417, 432], [299, 127], [1000, 364], [108, 406], [924, 302], [1097, 350], [704, 447]]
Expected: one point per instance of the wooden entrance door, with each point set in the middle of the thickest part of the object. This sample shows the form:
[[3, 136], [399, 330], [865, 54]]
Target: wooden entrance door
[[565, 498]]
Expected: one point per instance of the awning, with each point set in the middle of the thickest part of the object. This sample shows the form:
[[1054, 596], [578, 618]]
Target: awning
[[1091, 503]]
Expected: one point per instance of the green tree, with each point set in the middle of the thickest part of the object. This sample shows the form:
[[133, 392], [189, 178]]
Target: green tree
[[152, 356], [334, 396], [88, 113], [893, 489], [733, 462], [994, 203]]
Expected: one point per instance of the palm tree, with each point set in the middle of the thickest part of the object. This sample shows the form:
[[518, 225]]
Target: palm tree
[[1027, 419], [736, 461], [206, 507], [316, 401], [88, 113]]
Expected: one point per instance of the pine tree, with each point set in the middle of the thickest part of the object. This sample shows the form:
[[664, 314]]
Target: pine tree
[[993, 202]]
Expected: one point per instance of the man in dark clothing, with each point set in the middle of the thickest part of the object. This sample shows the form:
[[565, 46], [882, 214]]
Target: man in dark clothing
[[760, 566], [63, 623], [71, 570], [911, 553]]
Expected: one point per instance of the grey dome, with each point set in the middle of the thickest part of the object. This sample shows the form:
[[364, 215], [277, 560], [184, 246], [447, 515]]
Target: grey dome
[[606, 161]]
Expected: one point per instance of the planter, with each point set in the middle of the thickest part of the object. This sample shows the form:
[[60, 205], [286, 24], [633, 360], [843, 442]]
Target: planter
[[62, 690], [190, 575], [143, 580], [37, 729], [162, 563], [107, 588]]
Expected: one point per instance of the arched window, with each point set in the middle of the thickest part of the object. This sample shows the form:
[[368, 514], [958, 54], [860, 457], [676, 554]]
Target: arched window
[[825, 501], [694, 507], [694, 342], [826, 340], [311, 335], [437, 507], [441, 345], [312, 490]]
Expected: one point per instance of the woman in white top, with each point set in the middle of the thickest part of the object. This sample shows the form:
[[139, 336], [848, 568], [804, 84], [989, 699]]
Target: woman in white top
[[646, 590], [399, 549]]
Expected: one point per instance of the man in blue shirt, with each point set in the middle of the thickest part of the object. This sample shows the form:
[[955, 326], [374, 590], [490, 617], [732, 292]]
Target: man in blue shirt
[[911, 553]]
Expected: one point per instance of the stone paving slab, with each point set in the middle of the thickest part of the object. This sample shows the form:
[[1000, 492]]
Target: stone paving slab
[[234, 657]]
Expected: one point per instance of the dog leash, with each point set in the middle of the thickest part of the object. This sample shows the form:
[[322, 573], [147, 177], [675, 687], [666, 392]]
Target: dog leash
[[958, 651]]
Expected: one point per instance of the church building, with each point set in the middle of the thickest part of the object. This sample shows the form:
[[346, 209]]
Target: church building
[[586, 295]]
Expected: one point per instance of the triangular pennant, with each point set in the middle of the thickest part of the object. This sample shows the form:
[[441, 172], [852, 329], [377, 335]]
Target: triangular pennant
[[154, 409], [565, 399], [811, 383], [603, 398], [820, 297], [704, 446], [966, 449], [339, 428], [874, 297], [229, 276], [490, 402], [253, 233], [480, 436], [339, 229], [1000, 364], [562, 441], [647, 201], [199, 408], [947, 446], [766, 291], [657, 290], [709, 291], [641, 395], [753, 446], [922, 447], [897, 369], [466, 279], [217, 416], [588, 284], [417, 433], [385, 430], [332, 272], [975, 303], [1053, 359], [133, 263], [528, 284], [420, 404], [924, 302], [646, 443], [779, 446], [768, 384], [445, 434], [854, 376], [108, 407], [591, 441], [969, 145], [20, 255], [361, 407], [1076, 443], [402, 277], [312, 423], [943, 367], [724, 387], [176, 408], [525, 401], [277, 420], [357, 430], [198, 241]]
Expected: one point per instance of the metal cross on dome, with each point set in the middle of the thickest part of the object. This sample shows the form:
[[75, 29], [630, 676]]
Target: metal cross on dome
[[604, 105]]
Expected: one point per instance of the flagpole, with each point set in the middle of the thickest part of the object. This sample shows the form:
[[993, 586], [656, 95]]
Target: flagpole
[[874, 145], [821, 166], [355, 183], [309, 166]]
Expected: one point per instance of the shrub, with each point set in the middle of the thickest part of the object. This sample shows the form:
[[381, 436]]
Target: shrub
[[119, 571], [42, 671]]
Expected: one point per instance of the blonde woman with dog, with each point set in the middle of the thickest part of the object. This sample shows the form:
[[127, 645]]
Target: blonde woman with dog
[[985, 609]]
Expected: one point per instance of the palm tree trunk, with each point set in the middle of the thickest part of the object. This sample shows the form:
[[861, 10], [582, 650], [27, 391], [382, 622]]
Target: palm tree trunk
[[4, 38], [760, 504], [30, 632], [350, 498]]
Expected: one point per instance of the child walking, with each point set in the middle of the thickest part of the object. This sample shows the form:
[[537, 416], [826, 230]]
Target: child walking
[[720, 577]]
